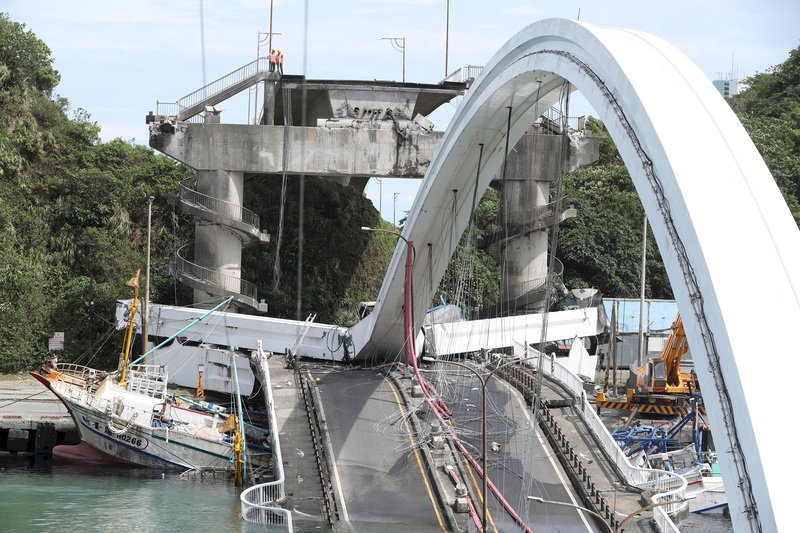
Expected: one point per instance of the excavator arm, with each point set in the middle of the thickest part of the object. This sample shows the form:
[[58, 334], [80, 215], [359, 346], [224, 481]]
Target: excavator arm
[[673, 352]]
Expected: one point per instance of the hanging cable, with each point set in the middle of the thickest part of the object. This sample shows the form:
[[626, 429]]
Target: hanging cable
[[504, 216], [301, 199]]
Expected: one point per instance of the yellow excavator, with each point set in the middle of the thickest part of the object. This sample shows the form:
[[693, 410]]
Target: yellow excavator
[[660, 387]]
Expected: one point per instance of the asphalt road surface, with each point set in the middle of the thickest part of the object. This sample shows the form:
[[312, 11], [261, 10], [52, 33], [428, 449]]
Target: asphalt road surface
[[378, 471]]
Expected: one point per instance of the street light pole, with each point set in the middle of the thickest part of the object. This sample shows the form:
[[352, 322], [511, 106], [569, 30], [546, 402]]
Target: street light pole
[[566, 504], [399, 44], [485, 463]]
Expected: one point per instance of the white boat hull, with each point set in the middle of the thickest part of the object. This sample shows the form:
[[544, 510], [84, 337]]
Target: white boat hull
[[131, 437], [150, 447]]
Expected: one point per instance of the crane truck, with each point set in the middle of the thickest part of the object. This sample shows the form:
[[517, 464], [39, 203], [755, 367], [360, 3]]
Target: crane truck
[[660, 387]]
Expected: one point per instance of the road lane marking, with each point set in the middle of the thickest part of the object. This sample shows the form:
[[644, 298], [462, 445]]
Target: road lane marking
[[416, 454], [556, 468]]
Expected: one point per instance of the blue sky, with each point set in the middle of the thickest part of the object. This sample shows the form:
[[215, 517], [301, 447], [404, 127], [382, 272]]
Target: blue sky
[[118, 57]]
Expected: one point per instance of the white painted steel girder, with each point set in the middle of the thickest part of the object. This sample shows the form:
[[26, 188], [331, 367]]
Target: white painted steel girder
[[495, 333], [720, 222], [322, 341]]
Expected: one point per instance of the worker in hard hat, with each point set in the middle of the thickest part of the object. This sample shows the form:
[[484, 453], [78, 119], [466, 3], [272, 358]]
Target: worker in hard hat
[[272, 60], [280, 62]]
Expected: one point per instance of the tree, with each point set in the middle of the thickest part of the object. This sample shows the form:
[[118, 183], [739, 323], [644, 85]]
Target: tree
[[24, 59]]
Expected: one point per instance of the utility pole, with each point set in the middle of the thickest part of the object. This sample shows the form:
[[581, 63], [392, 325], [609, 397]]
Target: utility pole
[[270, 25], [380, 196], [641, 294], [394, 213]]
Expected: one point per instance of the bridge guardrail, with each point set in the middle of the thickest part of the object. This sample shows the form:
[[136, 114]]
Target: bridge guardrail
[[667, 485], [258, 501]]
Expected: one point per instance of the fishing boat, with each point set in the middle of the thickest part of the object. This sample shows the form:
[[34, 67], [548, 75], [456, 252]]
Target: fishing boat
[[129, 416]]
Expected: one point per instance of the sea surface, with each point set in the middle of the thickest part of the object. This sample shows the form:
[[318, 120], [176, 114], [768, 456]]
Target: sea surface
[[65, 498], [54, 496]]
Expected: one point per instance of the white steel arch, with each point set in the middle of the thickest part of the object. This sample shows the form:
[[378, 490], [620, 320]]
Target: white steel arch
[[729, 243]]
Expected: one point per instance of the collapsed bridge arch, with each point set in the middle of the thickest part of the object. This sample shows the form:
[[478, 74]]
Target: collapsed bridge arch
[[728, 241]]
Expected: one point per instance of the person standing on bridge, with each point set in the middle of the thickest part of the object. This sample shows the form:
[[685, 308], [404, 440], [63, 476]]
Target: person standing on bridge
[[280, 62], [272, 59]]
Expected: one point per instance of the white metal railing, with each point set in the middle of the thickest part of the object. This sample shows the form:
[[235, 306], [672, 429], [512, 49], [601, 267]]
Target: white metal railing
[[220, 207], [258, 500], [212, 277], [150, 380], [173, 109], [221, 84], [464, 74], [668, 486], [554, 115]]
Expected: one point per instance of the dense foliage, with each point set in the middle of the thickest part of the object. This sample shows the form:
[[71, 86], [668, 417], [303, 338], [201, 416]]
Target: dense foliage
[[72, 213], [601, 247], [342, 264], [770, 112]]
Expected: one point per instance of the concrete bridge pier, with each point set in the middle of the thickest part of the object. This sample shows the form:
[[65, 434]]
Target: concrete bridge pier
[[216, 247], [525, 252], [537, 160]]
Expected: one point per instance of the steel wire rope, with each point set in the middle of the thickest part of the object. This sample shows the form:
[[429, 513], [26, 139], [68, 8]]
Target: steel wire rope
[[96, 345], [301, 195], [528, 483]]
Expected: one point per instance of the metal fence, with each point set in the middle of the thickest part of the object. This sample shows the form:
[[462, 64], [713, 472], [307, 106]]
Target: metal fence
[[258, 501], [464, 74], [668, 486]]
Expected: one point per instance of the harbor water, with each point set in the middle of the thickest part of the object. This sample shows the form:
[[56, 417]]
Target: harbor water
[[55, 497], [58, 498]]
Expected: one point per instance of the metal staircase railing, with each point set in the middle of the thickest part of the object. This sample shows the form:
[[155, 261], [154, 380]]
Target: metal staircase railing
[[464, 74], [220, 89], [243, 291], [238, 214]]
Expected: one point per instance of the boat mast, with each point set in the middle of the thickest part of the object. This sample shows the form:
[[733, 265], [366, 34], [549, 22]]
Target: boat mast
[[126, 348], [240, 446]]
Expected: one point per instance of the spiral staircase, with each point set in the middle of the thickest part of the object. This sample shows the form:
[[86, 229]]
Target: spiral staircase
[[241, 224]]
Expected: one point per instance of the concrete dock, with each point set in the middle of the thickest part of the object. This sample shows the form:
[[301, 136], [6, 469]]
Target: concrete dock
[[32, 419]]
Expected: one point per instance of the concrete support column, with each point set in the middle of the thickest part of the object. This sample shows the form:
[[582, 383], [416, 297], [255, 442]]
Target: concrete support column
[[216, 247], [535, 161], [526, 253]]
